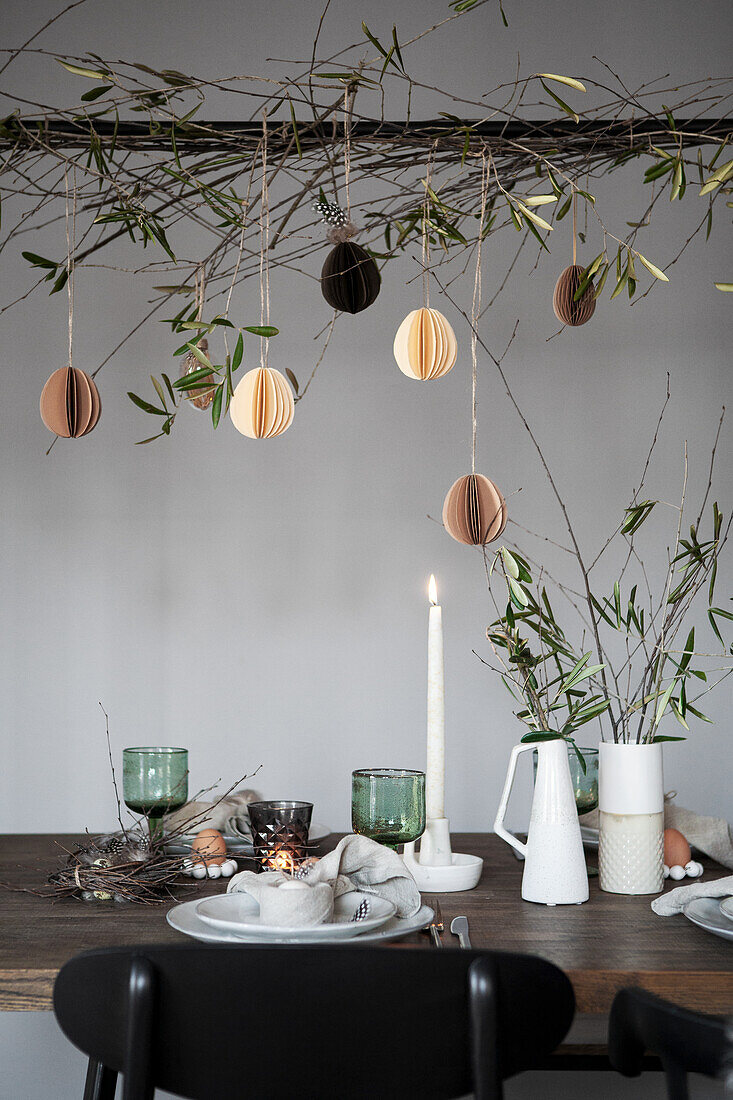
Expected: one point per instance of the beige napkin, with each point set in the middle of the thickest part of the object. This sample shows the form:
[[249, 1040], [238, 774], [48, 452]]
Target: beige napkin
[[230, 815], [284, 901], [711, 835], [666, 905], [356, 863]]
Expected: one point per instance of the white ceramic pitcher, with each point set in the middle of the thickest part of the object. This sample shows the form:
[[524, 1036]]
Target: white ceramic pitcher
[[554, 863]]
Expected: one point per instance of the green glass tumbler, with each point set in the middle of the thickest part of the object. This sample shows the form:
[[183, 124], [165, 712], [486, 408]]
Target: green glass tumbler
[[585, 783], [154, 782], [388, 805]]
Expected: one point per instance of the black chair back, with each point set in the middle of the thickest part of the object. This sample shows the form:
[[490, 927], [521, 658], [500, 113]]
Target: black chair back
[[207, 1021], [685, 1041]]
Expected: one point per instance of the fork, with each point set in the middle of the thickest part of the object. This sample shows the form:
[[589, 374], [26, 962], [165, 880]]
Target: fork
[[436, 925]]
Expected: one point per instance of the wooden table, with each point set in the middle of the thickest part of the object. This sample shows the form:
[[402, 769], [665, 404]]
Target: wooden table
[[608, 943]]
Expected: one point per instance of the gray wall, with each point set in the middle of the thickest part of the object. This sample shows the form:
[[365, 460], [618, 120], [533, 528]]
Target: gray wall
[[303, 650]]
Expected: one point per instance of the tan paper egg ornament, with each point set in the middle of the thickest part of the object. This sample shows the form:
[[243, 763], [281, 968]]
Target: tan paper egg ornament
[[70, 404], [203, 397], [474, 511], [262, 404], [425, 346], [566, 308]]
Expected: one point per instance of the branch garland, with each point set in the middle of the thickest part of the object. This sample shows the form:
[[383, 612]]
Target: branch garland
[[149, 179]]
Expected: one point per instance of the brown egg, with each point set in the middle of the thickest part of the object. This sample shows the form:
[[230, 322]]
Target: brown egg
[[210, 846], [676, 849]]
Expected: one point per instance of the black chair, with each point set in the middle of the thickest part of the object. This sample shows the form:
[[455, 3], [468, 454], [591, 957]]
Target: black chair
[[333, 1023], [685, 1042]]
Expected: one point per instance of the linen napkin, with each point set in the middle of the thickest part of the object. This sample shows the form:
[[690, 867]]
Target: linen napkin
[[666, 905], [285, 901], [356, 863], [230, 815]]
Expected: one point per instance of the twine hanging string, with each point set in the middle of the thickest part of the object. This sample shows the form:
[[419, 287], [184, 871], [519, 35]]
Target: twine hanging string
[[264, 248], [575, 222], [348, 105], [70, 251], [476, 304], [426, 232], [200, 284]]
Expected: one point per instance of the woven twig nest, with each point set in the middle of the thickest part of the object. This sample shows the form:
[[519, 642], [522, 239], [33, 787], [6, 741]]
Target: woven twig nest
[[474, 511], [350, 278], [425, 346], [262, 404], [566, 308], [70, 403]]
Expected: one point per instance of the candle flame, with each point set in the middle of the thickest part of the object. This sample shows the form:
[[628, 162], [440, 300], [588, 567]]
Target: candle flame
[[432, 590], [279, 860]]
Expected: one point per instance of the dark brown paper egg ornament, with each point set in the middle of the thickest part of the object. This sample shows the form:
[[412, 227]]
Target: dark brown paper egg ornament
[[566, 309], [350, 279], [70, 404], [474, 511]]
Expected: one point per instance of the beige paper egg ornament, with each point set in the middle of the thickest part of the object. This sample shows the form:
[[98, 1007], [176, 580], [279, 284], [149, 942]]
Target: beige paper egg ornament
[[425, 346], [262, 405], [474, 510], [70, 404]]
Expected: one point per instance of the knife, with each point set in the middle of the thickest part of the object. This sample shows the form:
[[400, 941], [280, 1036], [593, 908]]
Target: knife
[[459, 927]]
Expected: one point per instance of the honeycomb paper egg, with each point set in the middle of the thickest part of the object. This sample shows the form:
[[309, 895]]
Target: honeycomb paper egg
[[566, 309], [200, 398], [474, 511], [262, 405], [425, 346], [70, 403], [676, 849], [209, 845], [350, 279]]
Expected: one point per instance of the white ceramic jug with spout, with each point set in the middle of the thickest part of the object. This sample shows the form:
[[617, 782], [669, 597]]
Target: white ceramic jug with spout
[[554, 863]]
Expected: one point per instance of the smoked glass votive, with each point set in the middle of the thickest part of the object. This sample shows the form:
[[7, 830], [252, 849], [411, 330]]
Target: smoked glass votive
[[280, 833]]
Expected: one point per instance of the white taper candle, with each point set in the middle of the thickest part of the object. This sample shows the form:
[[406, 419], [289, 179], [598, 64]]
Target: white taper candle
[[435, 771]]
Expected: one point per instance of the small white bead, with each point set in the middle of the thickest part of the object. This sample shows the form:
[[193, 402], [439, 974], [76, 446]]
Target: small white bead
[[677, 873], [214, 870], [199, 871], [694, 869], [228, 868], [666, 870]]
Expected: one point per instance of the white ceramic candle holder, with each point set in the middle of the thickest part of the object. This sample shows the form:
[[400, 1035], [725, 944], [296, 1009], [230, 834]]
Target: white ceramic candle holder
[[436, 868]]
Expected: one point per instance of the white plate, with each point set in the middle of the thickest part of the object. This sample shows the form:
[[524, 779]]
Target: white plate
[[184, 919], [239, 914], [705, 913], [726, 908], [237, 845]]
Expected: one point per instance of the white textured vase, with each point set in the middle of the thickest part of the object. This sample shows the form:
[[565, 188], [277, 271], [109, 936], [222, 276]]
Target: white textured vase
[[631, 818], [554, 864]]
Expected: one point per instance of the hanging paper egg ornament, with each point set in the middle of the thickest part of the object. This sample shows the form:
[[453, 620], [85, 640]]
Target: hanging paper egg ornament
[[566, 308], [350, 278], [262, 404], [474, 511], [200, 398], [70, 403], [425, 346]]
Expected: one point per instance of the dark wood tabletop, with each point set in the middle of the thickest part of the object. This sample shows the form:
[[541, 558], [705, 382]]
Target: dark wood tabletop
[[609, 942]]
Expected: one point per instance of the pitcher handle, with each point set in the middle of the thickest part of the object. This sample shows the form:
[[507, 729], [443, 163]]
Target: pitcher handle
[[501, 812]]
